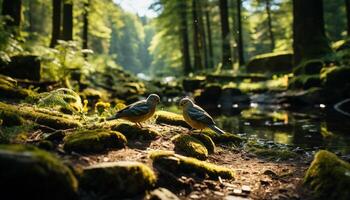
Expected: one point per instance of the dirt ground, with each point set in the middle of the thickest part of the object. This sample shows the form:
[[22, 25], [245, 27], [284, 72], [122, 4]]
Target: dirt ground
[[255, 177]]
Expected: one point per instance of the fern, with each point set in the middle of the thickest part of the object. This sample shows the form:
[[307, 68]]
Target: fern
[[63, 99]]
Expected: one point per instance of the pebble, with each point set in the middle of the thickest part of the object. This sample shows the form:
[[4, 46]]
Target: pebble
[[246, 188]]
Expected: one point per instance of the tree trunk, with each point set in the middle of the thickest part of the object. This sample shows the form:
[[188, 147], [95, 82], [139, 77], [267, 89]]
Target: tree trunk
[[86, 25], [202, 33], [186, 59], [196, 37], [309, 39], [56, 22], [347, 5], [240, 47], [269, 24], [13, 9], [67, 31], [225, 34], [210, 41]]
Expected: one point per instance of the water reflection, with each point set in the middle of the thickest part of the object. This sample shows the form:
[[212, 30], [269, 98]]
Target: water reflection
[[310, 129]]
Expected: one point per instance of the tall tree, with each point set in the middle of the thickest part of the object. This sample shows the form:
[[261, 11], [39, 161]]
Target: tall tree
[[240, 34], [186, 59], [347, 6], [196, 36], [13, 9], [67, 29], [269, 23], [225, 35], [309, 33], [56, 22], [202, 33], [86, 25], [210, 39]]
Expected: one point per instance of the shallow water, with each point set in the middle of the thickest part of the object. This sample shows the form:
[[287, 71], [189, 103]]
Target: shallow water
[[310, 129]]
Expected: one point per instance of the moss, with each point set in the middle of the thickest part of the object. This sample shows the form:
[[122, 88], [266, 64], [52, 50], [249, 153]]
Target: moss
[[119, 179], [40, 117], [309, 67], [206, 141], [164, 117], [328, 176], [24, 169], [305, 82], [276, 62], [336, 77], [10, 119], [181, 164], [190, 146], [93, 141], [131, 131], [283, 154], [221, 138], [101, 107], [8, 89], [46, 145]]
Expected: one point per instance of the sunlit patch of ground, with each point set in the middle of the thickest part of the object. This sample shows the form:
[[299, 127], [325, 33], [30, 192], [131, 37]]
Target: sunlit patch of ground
[[255, 178]]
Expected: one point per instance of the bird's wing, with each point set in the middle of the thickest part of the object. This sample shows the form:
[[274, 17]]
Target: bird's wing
[[136, 109], [196, 113]]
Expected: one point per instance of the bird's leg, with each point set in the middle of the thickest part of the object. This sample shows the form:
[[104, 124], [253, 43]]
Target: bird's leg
[[140, 125]]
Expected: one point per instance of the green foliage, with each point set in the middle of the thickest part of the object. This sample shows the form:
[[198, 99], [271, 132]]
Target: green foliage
[[65, 58], [63, 99]]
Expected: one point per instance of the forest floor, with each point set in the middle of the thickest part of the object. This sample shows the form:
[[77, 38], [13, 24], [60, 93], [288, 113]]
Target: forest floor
[[255, 178]]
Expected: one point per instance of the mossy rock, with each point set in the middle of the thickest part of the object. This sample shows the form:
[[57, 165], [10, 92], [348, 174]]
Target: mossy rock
[[29, 173], [336, 77], [221, 138], [305, 82], [210, 94], [268, 153], [206, 141], [190, 146], [309, 67], [192, 84], [118, 179], [94, 141], [328, 176], [40, 116], [131, 131], [178, 164], [162, 194], [277, 62], [165, 117], [9, 89], [11, 119]]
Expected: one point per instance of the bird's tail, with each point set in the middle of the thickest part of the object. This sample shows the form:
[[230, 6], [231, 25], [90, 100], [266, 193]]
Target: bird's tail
[[112, 117], [216, 129]]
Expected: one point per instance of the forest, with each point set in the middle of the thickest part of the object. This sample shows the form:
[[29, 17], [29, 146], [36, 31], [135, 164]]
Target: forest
[[174, 99]]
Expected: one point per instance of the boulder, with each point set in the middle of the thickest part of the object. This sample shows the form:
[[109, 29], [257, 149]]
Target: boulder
[[132, 132], [29, 173], [94, 141], [23, 67], [165, 117], [192, 84], [177, 164], [118, 179], [162, 194], [328, 176], [190, 146], [309, 67], [280, 62]]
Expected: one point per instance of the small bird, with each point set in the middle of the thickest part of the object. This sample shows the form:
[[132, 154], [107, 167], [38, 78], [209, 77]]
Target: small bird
[[139, 111], [196, 117]]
